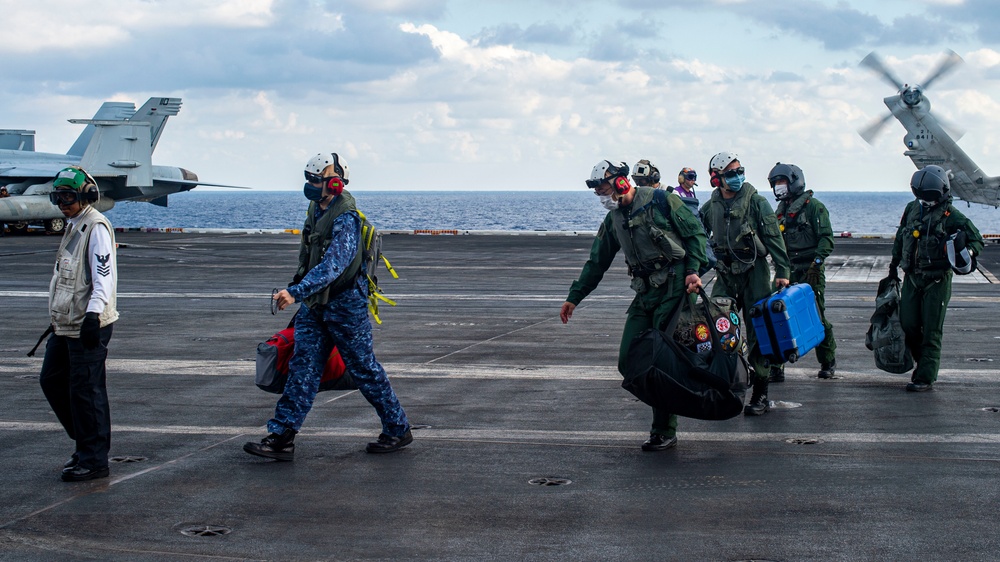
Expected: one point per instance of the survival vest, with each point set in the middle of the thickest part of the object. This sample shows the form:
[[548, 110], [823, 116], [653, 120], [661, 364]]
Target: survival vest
[[316, 237], [924, 238], [800, 235], [734, 238], [70, 287], [371, 256], [650, 247]]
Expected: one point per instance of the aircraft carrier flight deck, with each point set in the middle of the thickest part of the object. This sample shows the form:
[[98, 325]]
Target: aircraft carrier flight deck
[[525, 445]]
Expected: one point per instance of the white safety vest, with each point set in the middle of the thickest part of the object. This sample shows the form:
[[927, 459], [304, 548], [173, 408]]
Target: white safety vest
[[71, 285]]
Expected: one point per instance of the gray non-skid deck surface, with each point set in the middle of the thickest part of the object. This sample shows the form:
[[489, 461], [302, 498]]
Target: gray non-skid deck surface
[[501, 393]]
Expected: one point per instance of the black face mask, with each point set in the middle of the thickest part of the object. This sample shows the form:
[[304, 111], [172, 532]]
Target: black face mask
[[312, 192]]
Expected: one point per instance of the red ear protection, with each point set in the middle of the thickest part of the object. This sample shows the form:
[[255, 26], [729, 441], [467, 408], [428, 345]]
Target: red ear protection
[[621, 185], [335, 185], [716, 180]]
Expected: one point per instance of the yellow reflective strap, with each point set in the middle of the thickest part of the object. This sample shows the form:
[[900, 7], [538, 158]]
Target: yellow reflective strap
[[388, 266], [385, 299]]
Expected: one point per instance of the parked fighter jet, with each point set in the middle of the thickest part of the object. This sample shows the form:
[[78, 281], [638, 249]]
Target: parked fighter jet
[[116, 148], [926, 140]]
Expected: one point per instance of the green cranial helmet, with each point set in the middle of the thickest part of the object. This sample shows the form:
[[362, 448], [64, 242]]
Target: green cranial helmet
[[71, 177]]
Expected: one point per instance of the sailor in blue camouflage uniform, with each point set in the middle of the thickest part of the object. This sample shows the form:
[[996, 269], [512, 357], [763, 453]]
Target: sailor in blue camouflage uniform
[[331, 285]]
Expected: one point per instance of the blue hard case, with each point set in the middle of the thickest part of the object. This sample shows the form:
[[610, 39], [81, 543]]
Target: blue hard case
[[787, 324]]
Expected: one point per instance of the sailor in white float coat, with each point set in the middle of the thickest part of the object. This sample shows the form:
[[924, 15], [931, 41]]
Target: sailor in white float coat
[[82, 306]]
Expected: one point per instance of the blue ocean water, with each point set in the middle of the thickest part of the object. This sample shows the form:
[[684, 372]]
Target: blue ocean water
[[857, 212]]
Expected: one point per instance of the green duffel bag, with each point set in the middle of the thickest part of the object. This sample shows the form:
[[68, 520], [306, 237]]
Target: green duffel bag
[[885, 335]]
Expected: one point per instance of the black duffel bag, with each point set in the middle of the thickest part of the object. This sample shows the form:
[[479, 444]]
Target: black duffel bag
[[706, 385]]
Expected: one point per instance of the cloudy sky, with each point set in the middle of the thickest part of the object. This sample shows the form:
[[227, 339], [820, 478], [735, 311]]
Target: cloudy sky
[[504, 95]]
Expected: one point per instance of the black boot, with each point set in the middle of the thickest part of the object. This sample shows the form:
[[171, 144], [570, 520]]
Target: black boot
[[827, 370], [758, 405], [777, 374], [657, 442], [278, 446]]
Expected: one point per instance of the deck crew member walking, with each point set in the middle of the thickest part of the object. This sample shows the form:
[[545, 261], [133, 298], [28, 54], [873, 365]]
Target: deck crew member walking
[[82, 297], [663, 245], [805, 227], [744, 232], [930, 224], [331, 285]]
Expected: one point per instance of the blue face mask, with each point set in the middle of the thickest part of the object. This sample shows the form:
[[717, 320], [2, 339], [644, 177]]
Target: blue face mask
[[736, 183], [312, 192]]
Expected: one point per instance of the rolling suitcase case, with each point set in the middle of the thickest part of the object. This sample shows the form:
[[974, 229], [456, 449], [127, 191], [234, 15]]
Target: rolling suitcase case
[[787, 324]]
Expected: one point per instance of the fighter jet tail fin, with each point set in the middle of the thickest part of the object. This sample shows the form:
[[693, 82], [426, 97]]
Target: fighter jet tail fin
[[120, 148], [155, 112], [109, 111], [17, 139]]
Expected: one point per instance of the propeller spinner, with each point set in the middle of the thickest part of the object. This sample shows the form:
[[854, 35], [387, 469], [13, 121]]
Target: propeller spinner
[[910, 95]]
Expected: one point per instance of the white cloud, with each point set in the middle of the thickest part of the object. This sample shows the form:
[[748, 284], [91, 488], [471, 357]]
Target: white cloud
[[983, 58], [31, 26], [422, 98]]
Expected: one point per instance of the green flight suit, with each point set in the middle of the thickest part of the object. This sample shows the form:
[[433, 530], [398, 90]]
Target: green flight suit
[[652, 305], [744, 231], [805, 226], [919, 251]]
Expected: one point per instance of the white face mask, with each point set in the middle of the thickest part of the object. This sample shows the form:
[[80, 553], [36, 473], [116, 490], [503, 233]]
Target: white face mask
[[780, 190], [608, 202]]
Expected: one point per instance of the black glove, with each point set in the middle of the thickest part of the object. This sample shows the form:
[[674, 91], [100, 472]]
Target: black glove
[[90, 331], [893, 272], [812, 276]]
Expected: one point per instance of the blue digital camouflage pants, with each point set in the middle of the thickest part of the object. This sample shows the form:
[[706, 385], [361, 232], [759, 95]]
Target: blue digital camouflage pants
[[343, 323]]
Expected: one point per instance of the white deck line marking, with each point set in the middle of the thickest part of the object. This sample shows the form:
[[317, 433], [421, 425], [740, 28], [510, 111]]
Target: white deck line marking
[[520, 435], [203, 368], [341, 396], [109, 483], [487, 340]]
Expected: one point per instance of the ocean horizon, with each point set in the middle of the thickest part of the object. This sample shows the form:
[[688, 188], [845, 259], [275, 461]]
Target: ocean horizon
[[855, 212]]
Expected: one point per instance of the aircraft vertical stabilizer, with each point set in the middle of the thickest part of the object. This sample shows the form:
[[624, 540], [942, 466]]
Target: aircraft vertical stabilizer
[[17, 139], [120, 148], [110, 110], [155, 112]]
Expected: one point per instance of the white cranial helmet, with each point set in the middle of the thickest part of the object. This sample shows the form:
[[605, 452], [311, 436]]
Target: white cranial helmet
[[319, 163], [721, 160]]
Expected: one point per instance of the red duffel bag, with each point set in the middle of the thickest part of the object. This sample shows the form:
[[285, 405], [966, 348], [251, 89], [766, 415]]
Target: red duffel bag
[[274, 354]]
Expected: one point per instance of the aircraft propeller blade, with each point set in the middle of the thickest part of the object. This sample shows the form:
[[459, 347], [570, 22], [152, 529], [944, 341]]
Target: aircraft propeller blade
[[874, 62], [953, 130], [950, 60], [874, 128]]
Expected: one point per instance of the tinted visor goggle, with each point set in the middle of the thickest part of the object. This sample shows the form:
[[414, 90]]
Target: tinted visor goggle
[[64, 197], [691, 175], [594, 184], [734, 172], [313, 178]]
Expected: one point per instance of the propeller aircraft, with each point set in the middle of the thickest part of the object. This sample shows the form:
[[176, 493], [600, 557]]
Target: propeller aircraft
[[927, 139]]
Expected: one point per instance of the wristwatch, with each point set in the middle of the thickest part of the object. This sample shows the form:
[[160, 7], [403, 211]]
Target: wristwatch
[[818, 261]]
